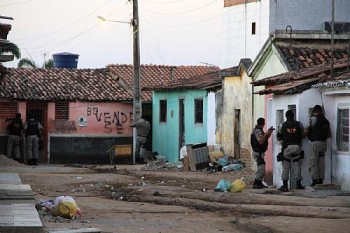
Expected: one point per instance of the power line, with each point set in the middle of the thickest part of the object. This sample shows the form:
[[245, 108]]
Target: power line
[[180, 13]]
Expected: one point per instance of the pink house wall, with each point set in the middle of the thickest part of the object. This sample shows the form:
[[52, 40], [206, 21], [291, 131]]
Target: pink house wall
[[93, 119], [268, 153]]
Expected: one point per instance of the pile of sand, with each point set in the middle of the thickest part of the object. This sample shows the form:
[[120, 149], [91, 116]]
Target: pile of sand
[[5, 161]]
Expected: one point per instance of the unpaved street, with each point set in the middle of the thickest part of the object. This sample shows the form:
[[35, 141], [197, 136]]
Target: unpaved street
[[131, 199]]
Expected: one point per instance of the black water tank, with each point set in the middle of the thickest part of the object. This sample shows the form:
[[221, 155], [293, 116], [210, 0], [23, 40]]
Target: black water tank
[[65, 60]]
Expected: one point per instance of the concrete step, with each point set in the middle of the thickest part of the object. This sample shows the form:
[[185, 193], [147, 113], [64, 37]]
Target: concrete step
[[84, 230], [16, 192], [18, 218]]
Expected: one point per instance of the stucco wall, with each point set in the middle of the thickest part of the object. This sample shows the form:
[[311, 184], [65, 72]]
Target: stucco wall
[[91, 130], [268, 67], [303, 102], [98, 119], [238, 41], [211, 116], [310, 16], [73, 141], [271, 15], [340, 159], [237, 95], [165, 135]]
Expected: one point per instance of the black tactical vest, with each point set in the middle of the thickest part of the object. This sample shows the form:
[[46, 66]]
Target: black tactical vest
[[32, 128], [320, 131], [255, 143], [291, 132], [15, 127]]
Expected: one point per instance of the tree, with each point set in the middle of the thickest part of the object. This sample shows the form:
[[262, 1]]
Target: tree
[[9, 47], [30, 63]]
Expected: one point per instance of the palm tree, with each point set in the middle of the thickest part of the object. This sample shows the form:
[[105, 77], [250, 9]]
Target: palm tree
[[30, 63], [9, 47], [26, 63]]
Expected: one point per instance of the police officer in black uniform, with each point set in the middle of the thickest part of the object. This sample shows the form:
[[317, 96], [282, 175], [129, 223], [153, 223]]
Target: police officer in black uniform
[[318, 133], [33, 131], [259, 143], [15, 128], [291, 132]]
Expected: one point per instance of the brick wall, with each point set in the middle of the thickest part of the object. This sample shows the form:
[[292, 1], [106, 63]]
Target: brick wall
[[228, 3]]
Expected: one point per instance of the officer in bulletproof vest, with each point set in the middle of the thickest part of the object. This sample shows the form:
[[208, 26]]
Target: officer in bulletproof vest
[[318, 132], [15, 128], [291, 133], [33, 131], [142, 128], [259, 143]]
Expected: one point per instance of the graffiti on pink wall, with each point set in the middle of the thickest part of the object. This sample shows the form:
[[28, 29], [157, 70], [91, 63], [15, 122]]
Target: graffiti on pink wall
[[117, 119]]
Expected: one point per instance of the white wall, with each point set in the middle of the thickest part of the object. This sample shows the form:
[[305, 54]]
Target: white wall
[[211, 119], [271, 15], [238, 41], [303, 102], [340, 159]]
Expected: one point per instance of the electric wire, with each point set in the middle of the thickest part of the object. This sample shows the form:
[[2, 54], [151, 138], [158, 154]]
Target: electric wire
[[17, 3], [180, 13]]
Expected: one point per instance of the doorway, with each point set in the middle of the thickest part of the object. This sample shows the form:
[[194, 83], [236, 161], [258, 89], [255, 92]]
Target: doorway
[[39, 112], [181, 139], [236, 136]]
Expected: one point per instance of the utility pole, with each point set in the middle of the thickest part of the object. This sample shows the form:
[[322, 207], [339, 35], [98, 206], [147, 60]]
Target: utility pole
[[137, 104], [332, 40]]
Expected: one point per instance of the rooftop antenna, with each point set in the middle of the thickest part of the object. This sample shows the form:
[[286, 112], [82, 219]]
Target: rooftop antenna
[[290, 44], [290, 34]]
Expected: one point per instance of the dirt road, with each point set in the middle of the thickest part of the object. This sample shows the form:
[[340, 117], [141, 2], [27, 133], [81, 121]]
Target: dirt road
[[131, 199]]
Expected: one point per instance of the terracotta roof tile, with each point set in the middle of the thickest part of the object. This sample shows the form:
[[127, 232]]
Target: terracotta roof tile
[[113, 83], [158, 75], [204, 81], [298, 81], [304, 57]]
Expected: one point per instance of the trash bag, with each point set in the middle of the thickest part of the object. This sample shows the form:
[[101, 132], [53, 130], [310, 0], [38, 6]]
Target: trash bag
[[223, 161], [238, 186], [223, 186], [66, 207]]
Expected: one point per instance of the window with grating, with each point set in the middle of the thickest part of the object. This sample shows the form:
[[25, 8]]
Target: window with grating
[[198, 108], [162, 110], [62, 111], [8, 109]]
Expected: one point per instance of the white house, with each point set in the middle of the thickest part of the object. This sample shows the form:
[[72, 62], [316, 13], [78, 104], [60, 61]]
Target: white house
[[249, 23], [300, 91], [284, 52]]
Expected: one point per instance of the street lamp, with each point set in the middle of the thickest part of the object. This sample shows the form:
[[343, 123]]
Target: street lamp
[[137, 104], [103, 19]]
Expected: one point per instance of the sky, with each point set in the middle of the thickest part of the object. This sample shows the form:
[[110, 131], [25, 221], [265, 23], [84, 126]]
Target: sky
[[172, 32]]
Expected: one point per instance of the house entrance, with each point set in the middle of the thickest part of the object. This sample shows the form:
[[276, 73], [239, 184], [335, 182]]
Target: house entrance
[[236, 136], [181, 124], [39, 112]]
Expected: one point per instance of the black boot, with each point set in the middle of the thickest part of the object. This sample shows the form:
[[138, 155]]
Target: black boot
[[35, 162], [262, 184], [320, 181], [257, 184], [284, 187], [314, 182], [30, 162], [299, 186]]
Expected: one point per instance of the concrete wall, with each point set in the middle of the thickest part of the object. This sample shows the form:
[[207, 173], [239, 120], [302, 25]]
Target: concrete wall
[[303, 102], [237, 96], [103, 125], [166, 134], [211, 116], [238, 40], [340, 159], [310, 15], [91, 130], [271, 15]]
